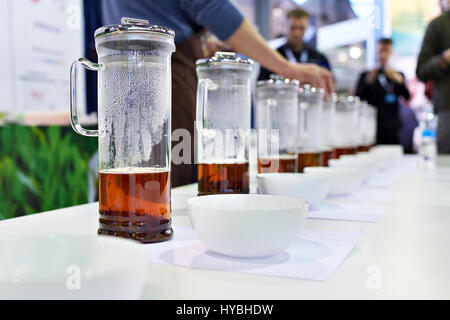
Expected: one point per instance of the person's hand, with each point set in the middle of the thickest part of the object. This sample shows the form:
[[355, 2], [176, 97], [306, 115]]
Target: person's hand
[[210, 46], [446, 56], [393, 75], [310, 73], [372, 76]]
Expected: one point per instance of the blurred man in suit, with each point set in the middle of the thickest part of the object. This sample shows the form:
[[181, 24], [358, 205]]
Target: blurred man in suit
[[382, 87], [295, 50]]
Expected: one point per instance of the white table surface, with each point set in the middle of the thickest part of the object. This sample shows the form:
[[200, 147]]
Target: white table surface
[[409, 247]]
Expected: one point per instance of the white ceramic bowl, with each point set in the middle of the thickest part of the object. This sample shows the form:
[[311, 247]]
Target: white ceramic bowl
[[70, 267], [342, 180], [312, 190], [348, 157], [247, 226], [181, 195], [368, 167], [390, 155], [391, 149], [368, 161]]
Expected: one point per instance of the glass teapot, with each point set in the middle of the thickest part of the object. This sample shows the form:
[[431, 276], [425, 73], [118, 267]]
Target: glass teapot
[[328, 118], [367, 127], [223, 124], [134, 128], [346, 126], [275, 121], [309, 142]]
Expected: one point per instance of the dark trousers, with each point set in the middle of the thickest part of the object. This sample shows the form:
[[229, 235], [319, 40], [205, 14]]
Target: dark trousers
[[385, 136], [443, 134], [184, 93]]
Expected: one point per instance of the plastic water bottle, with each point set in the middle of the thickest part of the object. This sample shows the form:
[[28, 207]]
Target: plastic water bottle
[[428, 146]]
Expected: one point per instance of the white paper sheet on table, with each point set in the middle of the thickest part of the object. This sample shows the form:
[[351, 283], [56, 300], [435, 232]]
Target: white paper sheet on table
[[314, 256], [386, 178], [348, 212], [383, 179], [365, 194]]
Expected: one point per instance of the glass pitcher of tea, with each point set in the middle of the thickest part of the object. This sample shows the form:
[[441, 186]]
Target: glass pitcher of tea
[[328, 118], [223, 124], [372, 126], [275, 121], [364, 127], [134, 128], [309, 141], [346, 126]]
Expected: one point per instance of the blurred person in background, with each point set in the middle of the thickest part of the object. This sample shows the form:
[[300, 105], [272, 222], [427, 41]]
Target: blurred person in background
[[211, 45], [433, 67], [190, 19], [295, 49], [382, 87]]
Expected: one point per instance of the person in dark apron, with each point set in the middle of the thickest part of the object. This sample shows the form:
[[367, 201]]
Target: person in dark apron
[[184, 93], [187, 18]]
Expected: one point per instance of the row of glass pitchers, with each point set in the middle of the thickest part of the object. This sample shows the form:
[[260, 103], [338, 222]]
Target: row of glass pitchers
[[310, 130], [338, 122], [296, 127]]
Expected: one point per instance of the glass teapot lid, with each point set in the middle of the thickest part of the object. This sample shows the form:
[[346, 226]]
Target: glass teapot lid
[[347, 103], [278, 81], [309, 91], [136, 35], [310, 95], [225, 60], [132, 25]]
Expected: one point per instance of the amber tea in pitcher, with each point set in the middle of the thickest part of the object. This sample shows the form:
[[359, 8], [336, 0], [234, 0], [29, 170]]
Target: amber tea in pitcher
[[309, 159], [223, 178], [135, 203], [338, 152], [280, 164]]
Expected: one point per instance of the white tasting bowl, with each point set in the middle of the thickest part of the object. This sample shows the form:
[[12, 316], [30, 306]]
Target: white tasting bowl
[[388, 155], [368, 167], [394, 150], [70, 267], [342, 180], [312, 190], [247, 226], [368, 161]]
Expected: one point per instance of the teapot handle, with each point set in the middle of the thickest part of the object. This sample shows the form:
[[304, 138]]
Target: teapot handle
[[74, 118], [303, 115], [202, 97]]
